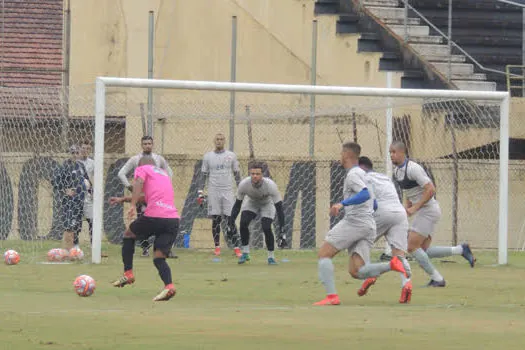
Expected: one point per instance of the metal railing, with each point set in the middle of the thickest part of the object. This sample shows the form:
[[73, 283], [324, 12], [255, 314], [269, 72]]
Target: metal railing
[[448, 37], [515, 81]]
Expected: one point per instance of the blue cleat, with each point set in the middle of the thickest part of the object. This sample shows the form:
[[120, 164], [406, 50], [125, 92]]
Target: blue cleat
[[467, 254], [244, 258], [433, 283], [271, 261]]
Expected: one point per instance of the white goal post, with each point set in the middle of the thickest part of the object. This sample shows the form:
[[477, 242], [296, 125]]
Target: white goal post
[[500, 99]]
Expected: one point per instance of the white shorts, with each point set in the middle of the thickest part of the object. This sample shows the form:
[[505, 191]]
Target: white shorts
[[220, 202], [264, 210], [394, 226], [425, 219], [359, 240]]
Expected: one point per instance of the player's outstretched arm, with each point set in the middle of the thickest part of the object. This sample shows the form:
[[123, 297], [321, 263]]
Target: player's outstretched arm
[[124, 171]]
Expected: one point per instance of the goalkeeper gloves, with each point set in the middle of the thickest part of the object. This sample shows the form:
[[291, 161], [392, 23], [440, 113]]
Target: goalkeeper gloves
[[201, 197], [281, 240]]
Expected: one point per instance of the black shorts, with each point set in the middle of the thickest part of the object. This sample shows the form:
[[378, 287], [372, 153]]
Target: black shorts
[[73, 212], [165, 231]]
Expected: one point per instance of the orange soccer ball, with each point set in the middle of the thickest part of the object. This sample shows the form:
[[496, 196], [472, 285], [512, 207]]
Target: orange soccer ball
[[11, 257], [57, 255], [76, 254], [84, 285]]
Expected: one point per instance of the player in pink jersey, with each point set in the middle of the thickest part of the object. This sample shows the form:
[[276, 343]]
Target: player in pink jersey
[[161, 219]]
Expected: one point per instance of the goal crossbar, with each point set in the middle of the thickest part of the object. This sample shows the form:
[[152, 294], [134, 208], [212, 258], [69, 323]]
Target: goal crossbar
[[100, 106]]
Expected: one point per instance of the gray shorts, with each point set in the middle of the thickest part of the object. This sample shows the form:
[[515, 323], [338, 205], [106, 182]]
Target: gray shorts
[[264, 210], [220, 202], [425, 219], [356, 239], [394, 226], [88, 207]]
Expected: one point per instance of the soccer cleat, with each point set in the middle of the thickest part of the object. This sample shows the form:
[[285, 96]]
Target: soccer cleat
[[271, 261], [385, 257], [145, 253], [369, 282], [433, 283], [165, 295], [406, 293], [122, 281], [396, 264], [237, 252], [467, 254], [331, 300], [217, 251], [244, 258]]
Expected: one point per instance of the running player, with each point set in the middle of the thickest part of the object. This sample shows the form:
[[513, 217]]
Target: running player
[[356, 232], [160, 219]]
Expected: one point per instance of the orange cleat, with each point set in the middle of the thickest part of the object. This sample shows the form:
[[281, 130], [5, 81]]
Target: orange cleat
[[329, 300], [124, 280], [369, 282], [217, 251], [397, 265], [406, 293], [237, 252]]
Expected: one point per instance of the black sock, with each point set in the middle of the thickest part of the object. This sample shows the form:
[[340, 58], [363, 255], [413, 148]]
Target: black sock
[[164, 270], [75, 238], [268, 234], [128, 249], [216, 230]]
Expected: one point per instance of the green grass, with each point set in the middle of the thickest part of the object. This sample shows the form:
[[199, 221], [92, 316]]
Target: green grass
[[220, 305]]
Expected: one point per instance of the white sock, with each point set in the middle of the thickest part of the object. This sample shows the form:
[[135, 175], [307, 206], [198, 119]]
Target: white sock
[[246, 249], [271, 255], [404, 280], [436, 276], [457, 250]]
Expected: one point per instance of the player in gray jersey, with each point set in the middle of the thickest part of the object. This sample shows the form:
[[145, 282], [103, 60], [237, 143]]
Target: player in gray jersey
[[128, 170], [422, 206], [391, 222], [89, 164], [258, 195], [220, 167], [356, 232]]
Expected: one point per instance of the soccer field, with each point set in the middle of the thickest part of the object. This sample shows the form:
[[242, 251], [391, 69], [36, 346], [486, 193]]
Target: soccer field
[[221, 305]]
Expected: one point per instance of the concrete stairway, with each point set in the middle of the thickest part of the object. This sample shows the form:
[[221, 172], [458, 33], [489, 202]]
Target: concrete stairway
[[432, 48]]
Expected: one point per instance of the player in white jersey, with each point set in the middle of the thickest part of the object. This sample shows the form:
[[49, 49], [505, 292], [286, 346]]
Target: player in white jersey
[[391, 222], [356, 232], [258, 195], [220, 167], [89, 164], [422, 206], [129, 168]]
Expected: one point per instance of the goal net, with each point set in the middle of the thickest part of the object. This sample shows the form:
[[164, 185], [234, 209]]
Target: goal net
[[455, 134]]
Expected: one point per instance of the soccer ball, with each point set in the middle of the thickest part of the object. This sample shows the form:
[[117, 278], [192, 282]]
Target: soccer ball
[[57, 255], [76, 254], [11, 257], [84, 285]]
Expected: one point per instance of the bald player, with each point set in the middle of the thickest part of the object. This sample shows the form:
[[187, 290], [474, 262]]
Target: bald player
[[220, 167], [422, 206]]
